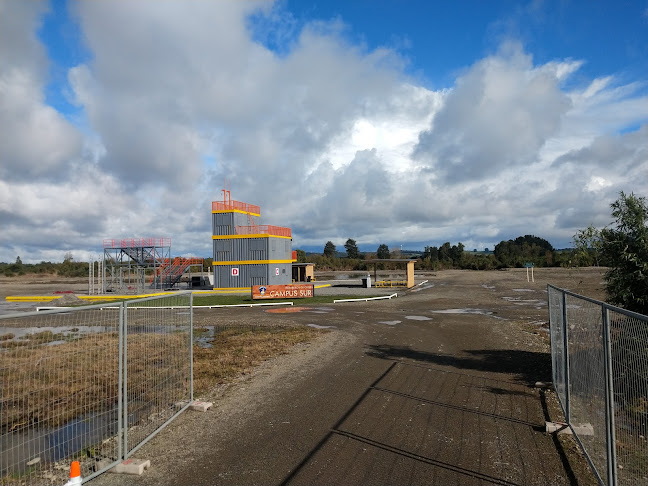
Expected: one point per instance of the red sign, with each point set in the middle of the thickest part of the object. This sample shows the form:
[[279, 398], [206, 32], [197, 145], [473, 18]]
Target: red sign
[[235, 272], [282, 291]]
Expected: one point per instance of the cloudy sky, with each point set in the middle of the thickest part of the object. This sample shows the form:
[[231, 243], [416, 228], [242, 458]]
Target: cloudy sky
[[400, 122]]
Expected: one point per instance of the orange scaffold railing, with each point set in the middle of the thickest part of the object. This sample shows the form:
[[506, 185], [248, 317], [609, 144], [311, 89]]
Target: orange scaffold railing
[[175, 268], [235, 205], [136, 242], [264, 229]]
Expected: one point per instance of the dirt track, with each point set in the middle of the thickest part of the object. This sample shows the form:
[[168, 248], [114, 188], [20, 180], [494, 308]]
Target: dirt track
[[433, 387], [397, 392]]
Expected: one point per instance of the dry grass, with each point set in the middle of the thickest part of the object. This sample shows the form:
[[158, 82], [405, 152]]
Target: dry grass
[[238, 350], [50, 385]]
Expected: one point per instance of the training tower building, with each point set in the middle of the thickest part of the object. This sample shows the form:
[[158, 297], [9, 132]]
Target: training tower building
[[247, 253]]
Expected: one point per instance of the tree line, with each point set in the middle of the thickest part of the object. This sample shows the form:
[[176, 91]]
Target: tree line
[[511, 253], [67, 268], [622, 247]]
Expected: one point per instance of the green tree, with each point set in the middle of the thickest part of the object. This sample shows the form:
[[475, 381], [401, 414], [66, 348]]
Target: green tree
[[431, 253], [508, 253], [301, 256], [207, 264], [456, 252], [525, 248], [625, 247], [329, 249], [587, 246], [383, 252], [352, 249], [444, 252]]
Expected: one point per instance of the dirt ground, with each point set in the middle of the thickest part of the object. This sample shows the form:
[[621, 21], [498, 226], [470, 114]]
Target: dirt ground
[[435, 386], [35, 284]]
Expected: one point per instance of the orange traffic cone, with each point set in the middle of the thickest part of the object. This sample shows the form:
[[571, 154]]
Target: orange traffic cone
[[75, 474]]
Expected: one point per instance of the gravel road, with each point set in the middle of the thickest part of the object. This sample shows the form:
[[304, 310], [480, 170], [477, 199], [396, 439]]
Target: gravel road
[[433, 387]]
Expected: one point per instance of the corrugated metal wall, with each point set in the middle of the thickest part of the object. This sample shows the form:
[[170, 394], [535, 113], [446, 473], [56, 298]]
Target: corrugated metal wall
[[248, 249], [279, 273], [224, 223], [241, 249], [248, 275], [244, 249]]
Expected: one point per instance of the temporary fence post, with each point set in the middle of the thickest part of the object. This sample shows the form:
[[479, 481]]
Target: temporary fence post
[[609, 400], [191, 380], [120, 404], [125, 375], [566, 354]]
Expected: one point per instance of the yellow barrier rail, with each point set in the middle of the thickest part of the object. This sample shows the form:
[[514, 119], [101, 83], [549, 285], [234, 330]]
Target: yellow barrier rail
[[390, 283]]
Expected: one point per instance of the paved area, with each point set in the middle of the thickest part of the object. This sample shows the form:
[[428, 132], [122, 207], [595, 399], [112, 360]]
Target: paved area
[[434, 387]]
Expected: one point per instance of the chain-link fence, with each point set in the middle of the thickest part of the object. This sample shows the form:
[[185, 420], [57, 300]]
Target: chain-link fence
[[600, 374], [91, 383]]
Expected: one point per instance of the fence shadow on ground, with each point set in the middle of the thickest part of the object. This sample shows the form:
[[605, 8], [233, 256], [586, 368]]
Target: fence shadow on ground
[[526, 366], [417, 424]]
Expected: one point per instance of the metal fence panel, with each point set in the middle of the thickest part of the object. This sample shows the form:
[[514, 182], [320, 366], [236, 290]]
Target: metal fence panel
[[602, 382], [587, 382], [59, 399], [158, 355], [629, 341], [91, 384], [557, 345]]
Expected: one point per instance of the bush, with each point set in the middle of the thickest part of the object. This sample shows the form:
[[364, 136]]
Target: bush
[[625, 248]]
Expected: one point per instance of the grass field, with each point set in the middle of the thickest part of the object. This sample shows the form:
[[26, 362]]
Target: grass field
[[241, 299]]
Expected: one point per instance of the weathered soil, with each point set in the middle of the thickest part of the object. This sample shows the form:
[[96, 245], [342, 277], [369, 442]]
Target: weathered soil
[[433, 387], [37, 284]]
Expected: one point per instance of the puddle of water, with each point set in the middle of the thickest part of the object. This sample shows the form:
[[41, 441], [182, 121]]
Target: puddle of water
[[518, 301], [390, 323], [317, 326], [24, 332], [52, 445], [203, 336], [490, 287], [463, 311], [418, 318], [481, 312], [286, 310], [522, 290]]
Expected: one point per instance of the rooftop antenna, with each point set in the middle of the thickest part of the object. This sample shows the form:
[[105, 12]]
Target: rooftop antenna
[[227, 195]]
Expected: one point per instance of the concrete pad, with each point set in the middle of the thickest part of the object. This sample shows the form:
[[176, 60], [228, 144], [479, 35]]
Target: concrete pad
[[196, 405], [563, 428], [132, 466], [102, 464], [200, 406]]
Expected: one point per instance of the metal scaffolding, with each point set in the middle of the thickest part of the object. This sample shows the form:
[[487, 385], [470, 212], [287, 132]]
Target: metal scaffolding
[[129, 261]]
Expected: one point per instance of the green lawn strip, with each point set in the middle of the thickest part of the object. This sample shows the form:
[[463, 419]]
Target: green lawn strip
[[240, 299], [244, 299]]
